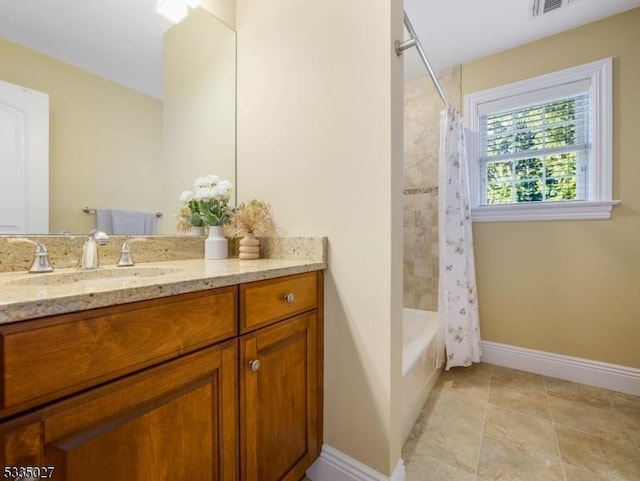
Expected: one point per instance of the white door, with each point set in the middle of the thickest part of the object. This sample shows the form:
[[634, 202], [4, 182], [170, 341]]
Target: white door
[[24, 160]]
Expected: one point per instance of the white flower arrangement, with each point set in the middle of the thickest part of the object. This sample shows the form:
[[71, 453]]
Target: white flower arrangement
[[208, 202]]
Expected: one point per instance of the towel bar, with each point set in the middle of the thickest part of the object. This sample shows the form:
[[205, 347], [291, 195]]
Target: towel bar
[[89, 210]]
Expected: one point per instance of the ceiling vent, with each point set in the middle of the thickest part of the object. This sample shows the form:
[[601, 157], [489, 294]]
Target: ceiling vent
[[541, 7]]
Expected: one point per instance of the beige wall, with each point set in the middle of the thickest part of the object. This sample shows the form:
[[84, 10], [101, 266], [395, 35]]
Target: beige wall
[[319, 137], [422, 107], [569, 287], [105, 139], [199, 105], [225, 10]]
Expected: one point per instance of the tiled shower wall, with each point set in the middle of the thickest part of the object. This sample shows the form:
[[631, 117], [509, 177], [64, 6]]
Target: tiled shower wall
[[422, 107]]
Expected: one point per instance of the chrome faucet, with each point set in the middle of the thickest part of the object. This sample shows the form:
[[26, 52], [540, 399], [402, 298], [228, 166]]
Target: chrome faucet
[[125, 254], [41, 257], [90, 259]]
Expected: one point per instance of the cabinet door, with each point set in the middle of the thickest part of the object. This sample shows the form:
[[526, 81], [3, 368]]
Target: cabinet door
[[278, 397], [175, 421]]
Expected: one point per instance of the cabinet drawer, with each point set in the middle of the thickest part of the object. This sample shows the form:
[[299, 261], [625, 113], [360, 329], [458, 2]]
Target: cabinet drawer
[[45, 359], [266, 302]]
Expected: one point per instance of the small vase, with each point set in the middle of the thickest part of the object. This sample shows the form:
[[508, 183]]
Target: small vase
[[216, 245], [197, 230], [249, 247]]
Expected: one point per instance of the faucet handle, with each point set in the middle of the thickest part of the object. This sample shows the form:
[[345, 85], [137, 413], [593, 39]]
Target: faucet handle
[[125, 254], [41, 256]]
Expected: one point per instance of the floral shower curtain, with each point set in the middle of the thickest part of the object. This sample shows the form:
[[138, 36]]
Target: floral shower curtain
[[458, 337]]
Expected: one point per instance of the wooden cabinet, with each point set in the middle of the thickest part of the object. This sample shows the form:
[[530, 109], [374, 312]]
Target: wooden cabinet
[[48, 358], [177, 421], [280, 376], [173, 421], [278, 399], [168, 388]]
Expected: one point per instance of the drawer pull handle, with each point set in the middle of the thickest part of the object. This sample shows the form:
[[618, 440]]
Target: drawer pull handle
[[289, 297], [254, 365]]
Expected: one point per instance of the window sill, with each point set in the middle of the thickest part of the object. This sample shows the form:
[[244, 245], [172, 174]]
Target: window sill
[[575, 210]]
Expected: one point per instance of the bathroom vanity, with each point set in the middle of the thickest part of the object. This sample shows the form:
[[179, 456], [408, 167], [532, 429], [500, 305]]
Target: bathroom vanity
[[192, 375]]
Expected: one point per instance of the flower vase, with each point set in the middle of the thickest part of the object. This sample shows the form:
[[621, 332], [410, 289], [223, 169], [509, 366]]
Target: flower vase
[[216, 245], [249, 247], [195, 230]]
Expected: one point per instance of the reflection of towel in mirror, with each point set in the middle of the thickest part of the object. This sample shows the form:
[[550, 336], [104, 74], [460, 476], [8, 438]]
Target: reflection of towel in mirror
[[103, 220], [121, 222]]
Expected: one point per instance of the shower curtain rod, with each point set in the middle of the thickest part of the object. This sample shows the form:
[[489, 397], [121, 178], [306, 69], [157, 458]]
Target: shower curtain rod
[[414, 42]]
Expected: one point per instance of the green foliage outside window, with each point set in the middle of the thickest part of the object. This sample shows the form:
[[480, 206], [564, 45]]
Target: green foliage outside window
[[532, 178]]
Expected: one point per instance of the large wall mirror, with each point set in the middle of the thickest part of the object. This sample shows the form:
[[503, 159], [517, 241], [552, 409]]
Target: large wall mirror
[[123, 133]]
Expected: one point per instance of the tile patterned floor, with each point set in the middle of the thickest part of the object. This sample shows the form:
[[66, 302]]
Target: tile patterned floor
[[489, 423]]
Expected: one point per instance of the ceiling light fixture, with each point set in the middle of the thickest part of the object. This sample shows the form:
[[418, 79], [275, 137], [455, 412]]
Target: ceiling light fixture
[[175, 10]]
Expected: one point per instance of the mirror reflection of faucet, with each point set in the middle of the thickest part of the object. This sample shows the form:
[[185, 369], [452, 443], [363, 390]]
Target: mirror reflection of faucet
[[40, 262], [90, 258]]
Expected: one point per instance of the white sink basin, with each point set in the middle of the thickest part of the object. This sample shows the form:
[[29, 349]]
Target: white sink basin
[[111, 274]]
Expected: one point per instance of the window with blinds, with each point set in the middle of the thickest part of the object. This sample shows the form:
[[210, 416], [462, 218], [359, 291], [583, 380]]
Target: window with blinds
[[536, 153], [541, 148]]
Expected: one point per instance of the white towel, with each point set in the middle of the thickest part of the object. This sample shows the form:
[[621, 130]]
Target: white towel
[[125, 222]]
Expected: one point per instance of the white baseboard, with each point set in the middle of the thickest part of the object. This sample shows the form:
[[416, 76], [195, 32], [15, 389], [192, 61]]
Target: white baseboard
[[334, 465], [594, 373]]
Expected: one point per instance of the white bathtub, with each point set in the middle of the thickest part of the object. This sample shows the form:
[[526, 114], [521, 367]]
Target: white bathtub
[[419, 374]]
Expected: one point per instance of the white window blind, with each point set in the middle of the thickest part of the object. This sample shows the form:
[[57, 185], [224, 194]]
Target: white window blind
[[536, 153]]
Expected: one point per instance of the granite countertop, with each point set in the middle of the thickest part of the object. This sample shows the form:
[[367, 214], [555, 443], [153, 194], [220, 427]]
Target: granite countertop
[[27, 296]]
